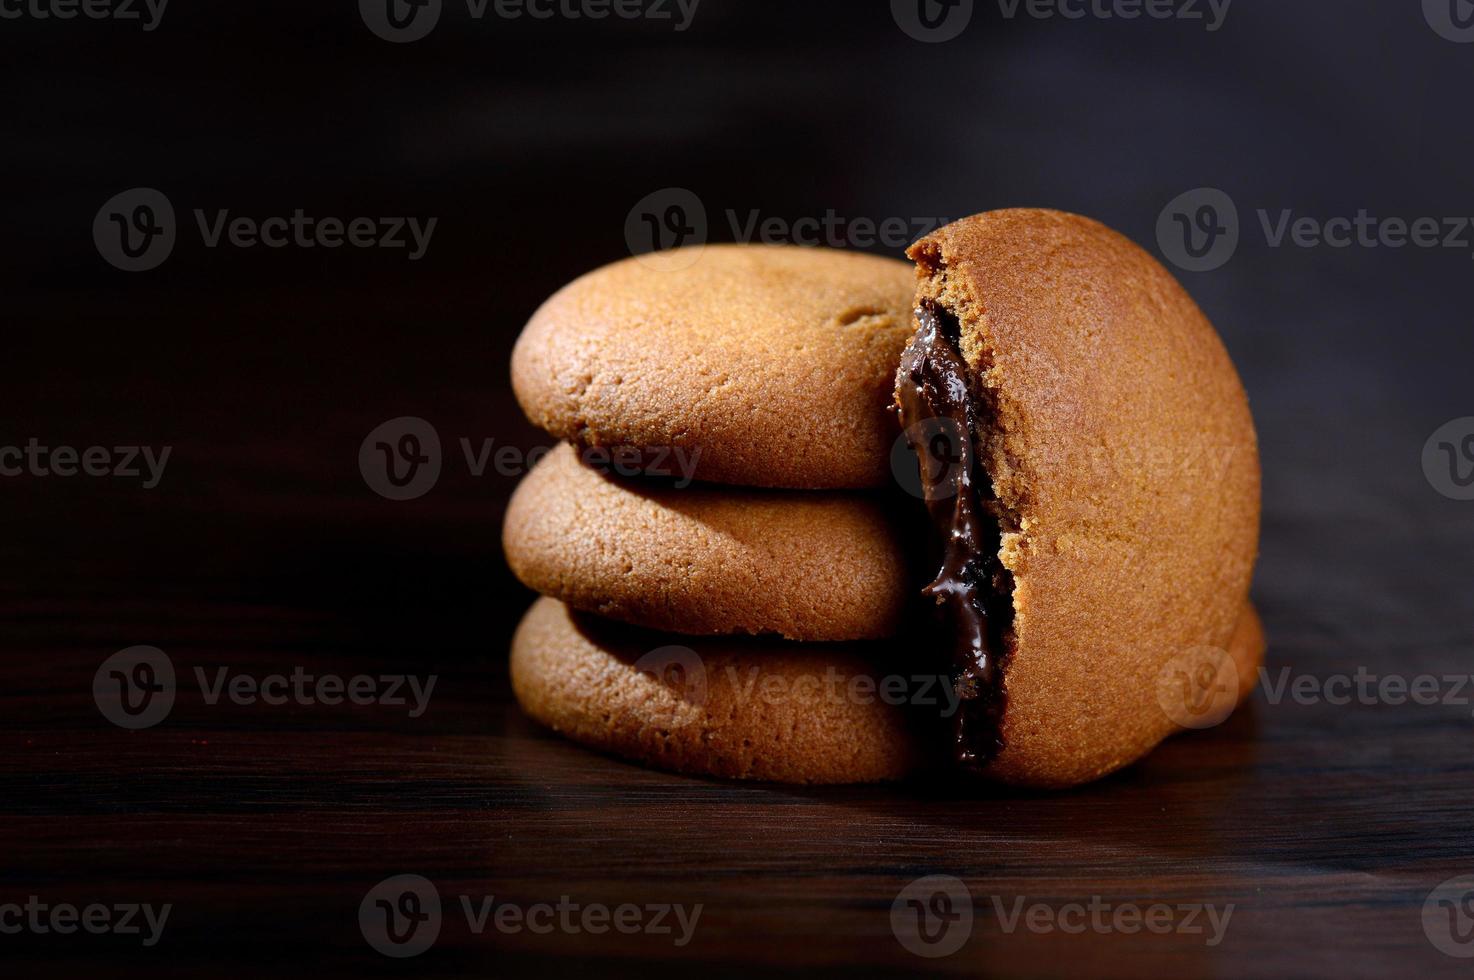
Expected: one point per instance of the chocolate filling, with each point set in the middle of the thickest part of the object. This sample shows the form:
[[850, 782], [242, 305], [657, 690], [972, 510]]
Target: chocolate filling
[[971, 591]]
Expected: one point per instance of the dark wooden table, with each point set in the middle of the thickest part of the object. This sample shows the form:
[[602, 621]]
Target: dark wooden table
[[1324, 827]]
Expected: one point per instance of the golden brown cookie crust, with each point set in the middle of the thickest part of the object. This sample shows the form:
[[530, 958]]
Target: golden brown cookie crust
[[774, 361], [578, 675], [1247, 647], [1121, 446], [738, 709], [703, 560]]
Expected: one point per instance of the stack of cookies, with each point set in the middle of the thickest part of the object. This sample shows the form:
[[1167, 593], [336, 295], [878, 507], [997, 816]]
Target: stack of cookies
[[719, 559], [730, 576]]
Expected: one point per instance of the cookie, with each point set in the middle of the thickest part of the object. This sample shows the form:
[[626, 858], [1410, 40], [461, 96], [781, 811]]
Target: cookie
[[1201, 686], [1246, 647], [704, 559], [739, 709], [751, 709], [1096, 512], [770, 365]]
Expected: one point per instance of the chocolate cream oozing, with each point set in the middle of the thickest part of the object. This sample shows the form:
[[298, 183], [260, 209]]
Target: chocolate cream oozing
[[971, 588]]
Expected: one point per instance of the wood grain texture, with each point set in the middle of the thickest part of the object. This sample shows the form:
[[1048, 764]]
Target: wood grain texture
[[264, 827]]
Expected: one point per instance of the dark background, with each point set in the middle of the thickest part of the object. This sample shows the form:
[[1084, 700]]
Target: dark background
[[531, 142]]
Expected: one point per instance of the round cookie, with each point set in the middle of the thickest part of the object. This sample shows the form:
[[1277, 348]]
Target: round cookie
[[740, 709], [1246, 647], [771, 363], [704, 560], [1200, 687], [1116, 460], [734, 708]]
